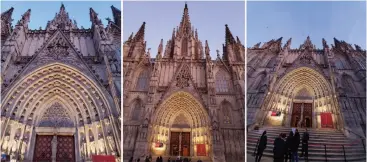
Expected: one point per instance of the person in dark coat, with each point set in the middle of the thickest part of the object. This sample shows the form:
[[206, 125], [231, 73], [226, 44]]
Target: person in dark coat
[[169, 159], [138, 160], [279, 149], [305, 139], [131, 159], [147, 159], [261, 147], [288, 143], [296, 142], [199, 160]]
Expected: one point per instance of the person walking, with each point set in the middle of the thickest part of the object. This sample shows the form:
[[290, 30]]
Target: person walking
[[279, 149], [169, 159], [305, 139], [131, 159], [288, 143], [261, 147], [296, 142]]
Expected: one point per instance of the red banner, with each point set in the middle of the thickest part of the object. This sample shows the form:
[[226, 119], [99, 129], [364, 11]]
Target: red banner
[[326, 120], [201, 150], [103, 158], [158, 144]]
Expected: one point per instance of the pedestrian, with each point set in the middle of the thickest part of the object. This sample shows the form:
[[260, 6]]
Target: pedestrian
[[131, 159], [261, 147], [199, 160], [288, 144], [305, 139], [279, 149], [296, 142], [138, 160], [147, 159], [169, 159]]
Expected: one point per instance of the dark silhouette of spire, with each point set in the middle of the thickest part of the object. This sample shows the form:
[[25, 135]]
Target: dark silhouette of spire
[[229, 37], [139, 37]]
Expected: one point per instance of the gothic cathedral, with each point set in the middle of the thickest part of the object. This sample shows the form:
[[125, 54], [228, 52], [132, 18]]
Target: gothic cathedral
[[60, 88], [307, 87], [182, 102]]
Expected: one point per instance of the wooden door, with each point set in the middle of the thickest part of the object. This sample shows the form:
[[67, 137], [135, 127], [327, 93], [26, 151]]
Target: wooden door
[[174, 143], [43, 152], [185, 144], [307, 115], [296, 114], [65, 149]]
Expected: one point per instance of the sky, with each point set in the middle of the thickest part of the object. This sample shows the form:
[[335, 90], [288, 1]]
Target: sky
[[272, 20], [43, 11], [161, 17]]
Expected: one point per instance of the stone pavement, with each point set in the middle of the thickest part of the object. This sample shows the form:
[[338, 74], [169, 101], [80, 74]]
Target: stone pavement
[[251, 158]]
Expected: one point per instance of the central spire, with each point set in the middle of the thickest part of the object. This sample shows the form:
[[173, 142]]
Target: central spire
[[185, 25]]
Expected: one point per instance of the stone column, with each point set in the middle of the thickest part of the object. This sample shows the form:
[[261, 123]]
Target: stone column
[[32, 143], [289, 120], [77, 144], [314, 116], [301, 118]]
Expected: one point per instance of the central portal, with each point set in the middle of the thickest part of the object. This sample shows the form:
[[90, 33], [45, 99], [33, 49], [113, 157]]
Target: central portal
[[180, 143], [306, 115], [54, 148]]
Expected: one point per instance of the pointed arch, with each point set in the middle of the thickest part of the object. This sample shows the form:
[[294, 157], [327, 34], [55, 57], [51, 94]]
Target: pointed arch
[[184, 46], [136, 109], [142, 83], [222, 82]]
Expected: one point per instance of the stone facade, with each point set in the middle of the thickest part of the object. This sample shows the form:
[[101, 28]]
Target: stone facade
[[63, 80], [321, 83], [183, 89]]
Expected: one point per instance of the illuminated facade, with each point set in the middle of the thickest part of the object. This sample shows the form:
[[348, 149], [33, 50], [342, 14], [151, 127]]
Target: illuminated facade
[[183, 103], [60, 88], [308, 87]]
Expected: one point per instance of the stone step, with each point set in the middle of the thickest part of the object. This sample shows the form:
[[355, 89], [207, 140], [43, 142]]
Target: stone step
[[359, 158], [317, 150], [312, 142], [312, 137], [276, 131], [193, 158]]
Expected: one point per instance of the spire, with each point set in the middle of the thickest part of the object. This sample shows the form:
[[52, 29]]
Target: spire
[[238, 40], [288, 44], [94, 17], [307, 44], [7, 14], [207, 50], [160, 49], [324, 44], [25, 18], [139, 37], [229, 37], [185, 25], [116, 15], [62, 8]]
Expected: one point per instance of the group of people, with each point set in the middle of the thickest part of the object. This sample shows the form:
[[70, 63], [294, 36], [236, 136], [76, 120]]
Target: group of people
[[285, 148], [160, 159]]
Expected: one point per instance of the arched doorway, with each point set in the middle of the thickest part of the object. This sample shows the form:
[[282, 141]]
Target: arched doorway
[[303, 95], [56, 112], [181, 127]]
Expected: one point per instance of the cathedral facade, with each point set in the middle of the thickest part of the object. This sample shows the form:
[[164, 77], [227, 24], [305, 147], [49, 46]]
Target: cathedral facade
[[60, 88], [307, 87], [183, 102]]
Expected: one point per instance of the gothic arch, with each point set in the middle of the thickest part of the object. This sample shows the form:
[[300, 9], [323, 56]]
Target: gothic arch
[[303, 77], [82, 94], [223, 81], [143, 78], [136, 109]]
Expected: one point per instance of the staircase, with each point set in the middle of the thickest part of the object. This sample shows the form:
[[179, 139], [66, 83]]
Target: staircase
[[333, 139], [193, 159]]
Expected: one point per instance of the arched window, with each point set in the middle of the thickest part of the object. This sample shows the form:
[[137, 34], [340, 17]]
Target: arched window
[[222, 82], [136, 110], [184, 47], [143, 81], [226, 110]]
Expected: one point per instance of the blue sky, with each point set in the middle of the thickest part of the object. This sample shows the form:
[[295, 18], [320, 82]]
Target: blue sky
[[208, 17], [271, 20], [43, 11]]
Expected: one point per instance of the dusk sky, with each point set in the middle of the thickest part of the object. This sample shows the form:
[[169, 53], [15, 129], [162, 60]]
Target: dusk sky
[[208, 17], [43, 11], [271, 20]]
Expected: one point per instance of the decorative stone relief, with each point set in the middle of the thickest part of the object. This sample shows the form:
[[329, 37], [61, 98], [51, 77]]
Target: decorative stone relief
[[183, 78], [56, 116]]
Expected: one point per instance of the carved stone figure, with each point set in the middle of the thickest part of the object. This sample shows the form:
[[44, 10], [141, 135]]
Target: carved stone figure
[[54, 148]]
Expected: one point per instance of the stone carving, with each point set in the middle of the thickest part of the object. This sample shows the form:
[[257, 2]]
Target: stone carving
[[58, 48], [54, 148], [183, 77], [56, 116]]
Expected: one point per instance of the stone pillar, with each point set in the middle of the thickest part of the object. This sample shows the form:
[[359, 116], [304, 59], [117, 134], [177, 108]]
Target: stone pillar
[[301, 118], [77, 144], [289, 120], [32, 143], [314, 117]]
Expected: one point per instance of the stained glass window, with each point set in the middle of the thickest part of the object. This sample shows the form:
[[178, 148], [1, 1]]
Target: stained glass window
[[143, 81], [222, 82]]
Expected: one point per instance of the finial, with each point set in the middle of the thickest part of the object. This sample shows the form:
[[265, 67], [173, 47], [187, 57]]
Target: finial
[[218, 55], [185, 4]]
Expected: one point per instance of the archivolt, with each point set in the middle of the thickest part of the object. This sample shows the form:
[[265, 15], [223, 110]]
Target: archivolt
[[83, 97], [181, 102], [304, 78]]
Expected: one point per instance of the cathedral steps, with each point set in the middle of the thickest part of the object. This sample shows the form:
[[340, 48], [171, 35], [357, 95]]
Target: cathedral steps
[[332, 138], [193, 159]]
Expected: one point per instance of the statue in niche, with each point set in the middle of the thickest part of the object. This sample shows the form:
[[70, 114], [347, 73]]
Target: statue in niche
[[54, 147]]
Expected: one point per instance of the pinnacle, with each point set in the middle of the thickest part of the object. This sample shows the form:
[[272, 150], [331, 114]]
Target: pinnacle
[[139, 37], [229, 37]]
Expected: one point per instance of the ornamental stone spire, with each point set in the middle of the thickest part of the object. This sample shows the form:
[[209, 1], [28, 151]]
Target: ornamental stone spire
[[185, 25]]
